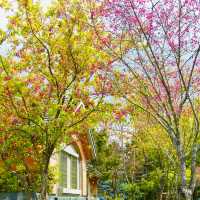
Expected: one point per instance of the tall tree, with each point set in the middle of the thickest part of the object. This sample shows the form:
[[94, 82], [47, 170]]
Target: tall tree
[[47, 74], [157, 45]]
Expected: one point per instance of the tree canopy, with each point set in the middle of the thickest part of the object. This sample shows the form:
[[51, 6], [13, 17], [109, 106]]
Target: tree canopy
[[74, 65]]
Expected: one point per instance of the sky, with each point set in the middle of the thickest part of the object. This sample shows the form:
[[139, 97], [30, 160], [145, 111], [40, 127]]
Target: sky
[[3, 20], [4, 48], [3, 14]]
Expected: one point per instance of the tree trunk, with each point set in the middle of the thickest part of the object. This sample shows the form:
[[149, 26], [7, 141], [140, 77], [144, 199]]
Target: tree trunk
[[186, 191], [44, 184], [188, 194], [44, 174]]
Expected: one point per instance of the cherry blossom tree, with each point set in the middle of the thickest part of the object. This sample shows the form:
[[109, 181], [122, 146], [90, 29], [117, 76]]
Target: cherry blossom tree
[[155, 47]]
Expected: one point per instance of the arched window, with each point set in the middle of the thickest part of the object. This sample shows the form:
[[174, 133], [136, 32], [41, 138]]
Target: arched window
[[69, 170]]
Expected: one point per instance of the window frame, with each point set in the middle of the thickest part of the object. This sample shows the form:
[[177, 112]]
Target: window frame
[[63, 156], [70, 155]]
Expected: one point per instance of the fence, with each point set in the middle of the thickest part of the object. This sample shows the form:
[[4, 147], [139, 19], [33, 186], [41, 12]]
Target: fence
[[34, 196], [18, 196], [73, 198], [67, 198]]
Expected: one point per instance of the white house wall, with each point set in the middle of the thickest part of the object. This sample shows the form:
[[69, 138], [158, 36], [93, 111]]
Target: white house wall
[[82, 171]]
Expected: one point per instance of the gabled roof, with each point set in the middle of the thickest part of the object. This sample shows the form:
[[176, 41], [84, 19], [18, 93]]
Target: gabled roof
[[87, 141], [92, 142]]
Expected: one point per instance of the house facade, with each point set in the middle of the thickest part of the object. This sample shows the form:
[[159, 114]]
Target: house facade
[[70, 162]]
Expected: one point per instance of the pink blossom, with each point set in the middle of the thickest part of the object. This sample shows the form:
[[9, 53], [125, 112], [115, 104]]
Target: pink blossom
[[149, 16], [105, 40], [117, 12], [141, 11], [141, 1], [172, 45], [133, 20]]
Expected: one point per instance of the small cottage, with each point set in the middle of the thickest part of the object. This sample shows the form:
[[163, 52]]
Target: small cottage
[[71, 165]]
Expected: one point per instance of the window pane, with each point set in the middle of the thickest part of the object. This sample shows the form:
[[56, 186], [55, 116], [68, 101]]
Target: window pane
[[63, 169], [74, 169]]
